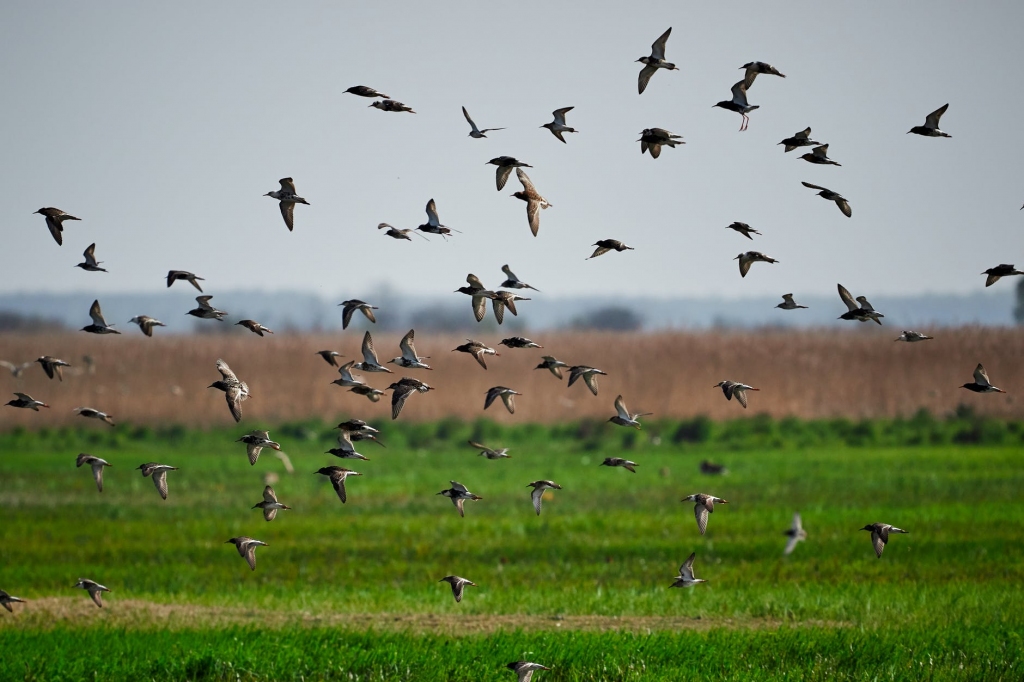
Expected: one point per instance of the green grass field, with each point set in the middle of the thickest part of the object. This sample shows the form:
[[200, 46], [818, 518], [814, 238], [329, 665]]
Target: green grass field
[[350, 591]]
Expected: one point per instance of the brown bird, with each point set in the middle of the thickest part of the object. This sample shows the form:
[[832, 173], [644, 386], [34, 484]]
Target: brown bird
[[95, 414], [337, 476], [477, 350], [458, 585], [505, 299], [146, 323], [704, 505], [54, 221], [247, 549], [507, 395], [534, 201], [254, 326], [749, 258], [287, 198], [176, 275], [606, 245], [52, 365], [235, 391]]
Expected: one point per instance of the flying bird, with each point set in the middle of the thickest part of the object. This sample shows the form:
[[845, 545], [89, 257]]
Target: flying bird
[[366, 91], [490, 453], [749, 258], [94, 589], [619, 462], [519, 342], [409, 359], [557, 126], [52, 366], [654, 62], [458, 494], [476, 133], [553, 365], [686, 578], [91, 264], [159, 474], [205, 310], [606, 245], [505, 299], [479, 295], [588, 374], [744, 229], [176, 275], [329, 355], [931, 124], [391, 105], [800, 139], [346, 379], [146, 323], [819, 155], [351, 306], [534, 201], [55, 222], [505, 165], [859, 309], [739, 104], [538, 492], [796, 535], [733, 389], [1002, 270], [458, 585], [337, 476], [477, 350], [880, 535], [92, 413], [513, 282], [402, 389], [788, 303], [16, 370], [370, 362], [369, 392], [433, 224], [255, 441], [703, 506], [653, 139], [247, 549], [24, 400], [235, 391], [270, 505], [911, 336], [96, 464], [623, 416], [7, 599], [752, 69], [524, 669], [981, 383], [99, 325], [507, 395], [829, 195], [254, 326], [395, 233], [287, 198]]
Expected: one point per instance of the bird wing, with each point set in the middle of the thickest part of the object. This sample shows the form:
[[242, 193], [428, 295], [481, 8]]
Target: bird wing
[[432, 218], [269, 514], [510, 401], [233, 396], [369, 354], [590, 379], [620, 407], [459, 487], [803, 134], [701, 514], [739, 92], [408, 350], [508, 273], [658, 47], [741, 396], [269, 495], [160, 481], [288, 212], [499, 309], [877, 542], [645, 76], [501, 177], [469, 120], [537, 495], [527, 183], [479, 307], [791, 544], [797, 524], [844, 206], [204, 302], [847, 298], [558, 134], [287, 185], [745, 264], [96, 314], [981, 376], [368, 312], [398, 398], [90, 254], [97, 473], [97, 596], [222, 366], [492, 395], [56, 230], [533, 216], [865, 304], [686, 570], [339, 487], [479, 355], [788, 298], [932, 120], [457, 585], [820, 151], [346, 315], [474, 281], [253, 451], [248, 550], [559, 115], [823, 189], [599, 251]]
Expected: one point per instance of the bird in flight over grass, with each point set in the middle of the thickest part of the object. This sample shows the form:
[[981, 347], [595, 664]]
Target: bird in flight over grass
[[337, 476], [24, 400], [911, 336], [490, 453], [159, 474], [255, 441], [270, 505], [92, 413], [235, 390], [624, 418], [458, 585], [734, 389], [538, 492], [981, 383], [795, 533], [7, 599], [94, 589], [686, 577], [458, 494], [524, 669], [96, 464], [507, 395], [703, 506], [619, 462], [880, 535], [246, 547]]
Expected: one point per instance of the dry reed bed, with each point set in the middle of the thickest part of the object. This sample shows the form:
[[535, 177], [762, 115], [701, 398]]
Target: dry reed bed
[[853, 372]]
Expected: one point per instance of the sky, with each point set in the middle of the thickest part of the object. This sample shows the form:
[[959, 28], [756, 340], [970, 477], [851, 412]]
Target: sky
[[161, 125]]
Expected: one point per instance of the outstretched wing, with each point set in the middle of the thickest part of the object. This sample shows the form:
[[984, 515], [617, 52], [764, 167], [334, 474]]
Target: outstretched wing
[[222, 366], [658, 47], [932, 120], [847, 298]]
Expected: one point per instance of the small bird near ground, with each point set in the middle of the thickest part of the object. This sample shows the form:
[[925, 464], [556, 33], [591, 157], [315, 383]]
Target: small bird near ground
[[686, 577], [606, 245], [458, 494], [7, 599], [795, 533], [733, 389], [55, 222], [94, 589], [703, 506], [655, 61], [92, 413], [749, 258], [255, 441], [981, 384], [458, 585], [524, 669], [270, 505], [287, 198], [96, 464], [558, 126], [711, 469], [931, 124], [880, 535], [490, 453], [911, 336], [538, 492], [247, 549], [788, 303], [159, 474], [507, 395], [619, 462], [91, 264]]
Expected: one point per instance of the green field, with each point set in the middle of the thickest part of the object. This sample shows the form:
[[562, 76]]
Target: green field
[[350, 591]]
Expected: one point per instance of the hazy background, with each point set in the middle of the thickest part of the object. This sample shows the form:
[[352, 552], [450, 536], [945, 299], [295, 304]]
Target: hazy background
[[162, 126]]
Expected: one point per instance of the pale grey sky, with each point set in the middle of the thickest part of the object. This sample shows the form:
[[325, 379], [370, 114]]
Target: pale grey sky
[[160, 125]]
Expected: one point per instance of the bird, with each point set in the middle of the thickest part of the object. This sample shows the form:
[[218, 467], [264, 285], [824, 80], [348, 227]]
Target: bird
[[347, 380], [557, 126], [704, 505], [355, 430], [624, 418], [859, 310], [365, 91], [744, 229], [458, 494], [476, 133], [176, 275], [606, 245], [748, 258], [800, 139], [1002, 270], [329, 355], [911, 336], [337, 476], [479, 295], [733, 389], [159, 474], [538, 491], [519, 342], [686, 577], [94, 589], [505, 299], [205, 310], [795, 533], [711, 469], [246, 547], [7, 599], [254, 326], [55, 222], [788, 303], [981, 383], [287, 198], [270, 505], [146, 323], [490, 453], [619, 462], [819, 155], [351, 306], [654, 62], [513, 282], [255, 441], [409, 359], [346, 453], [524, 669], [534, 201], [739, 104], [96, 464], [505, 165], [371, 393], [16, 370], [92, 413], [52, 366], [433, 224], [370, 362], [26, 401], [880, 535], [828, 194], [391, 105], [458, 584], [235, 390], [588, 374], [353, 426], [653, 139], [402, 389], [477, 350], [752, 69], [507, 395], [931, 125], [99, 325], [553, 365], [91, 264], [395, 233]]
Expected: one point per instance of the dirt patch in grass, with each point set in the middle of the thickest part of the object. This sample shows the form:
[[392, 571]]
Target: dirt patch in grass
[[133, 613]]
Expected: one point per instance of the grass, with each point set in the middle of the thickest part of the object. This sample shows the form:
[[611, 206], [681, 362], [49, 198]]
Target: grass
[[584, 586]]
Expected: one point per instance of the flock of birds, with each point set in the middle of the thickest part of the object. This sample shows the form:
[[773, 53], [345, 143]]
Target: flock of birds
[[503, 298]]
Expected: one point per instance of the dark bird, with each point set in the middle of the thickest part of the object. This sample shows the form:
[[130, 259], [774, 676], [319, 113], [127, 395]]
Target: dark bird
[[619, 462], [606, 245], [819, 155], [96, 464], [931, 124], [175, 275], [395, 233], [351, 306], [247, 549], [519, 342], [981, 384], [553, 365], [734, 389], [557, 126], [146, 323], [458, 494], [479, 294], [859, 309], [52, 366], [477, 350], [337, 476], [788, 303], [880, 535], [624, 417], [402, 389], [7, 599], [652, 139], [538, 492], [55, 222], [91, 264], [458, 585], [524, 669], [24, 400], [254, 326], [92, 413], [433, 224], [513, 282], [391, 105], [588, 374], [255, 441], [686, 578], [800, 139], [329, 355], [703, 506], [911, 336], [505, 165], [507, 395], [711, 469], [270, 505], [752, 69], [235, 391], [744, 229], [159, 474], [739, 104], [99, 325], [1003, 270], [505, 299], [829, 195], [205, 310], [94, 589], [365, 91], [654, 62], [749, 258], [287, 198]]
